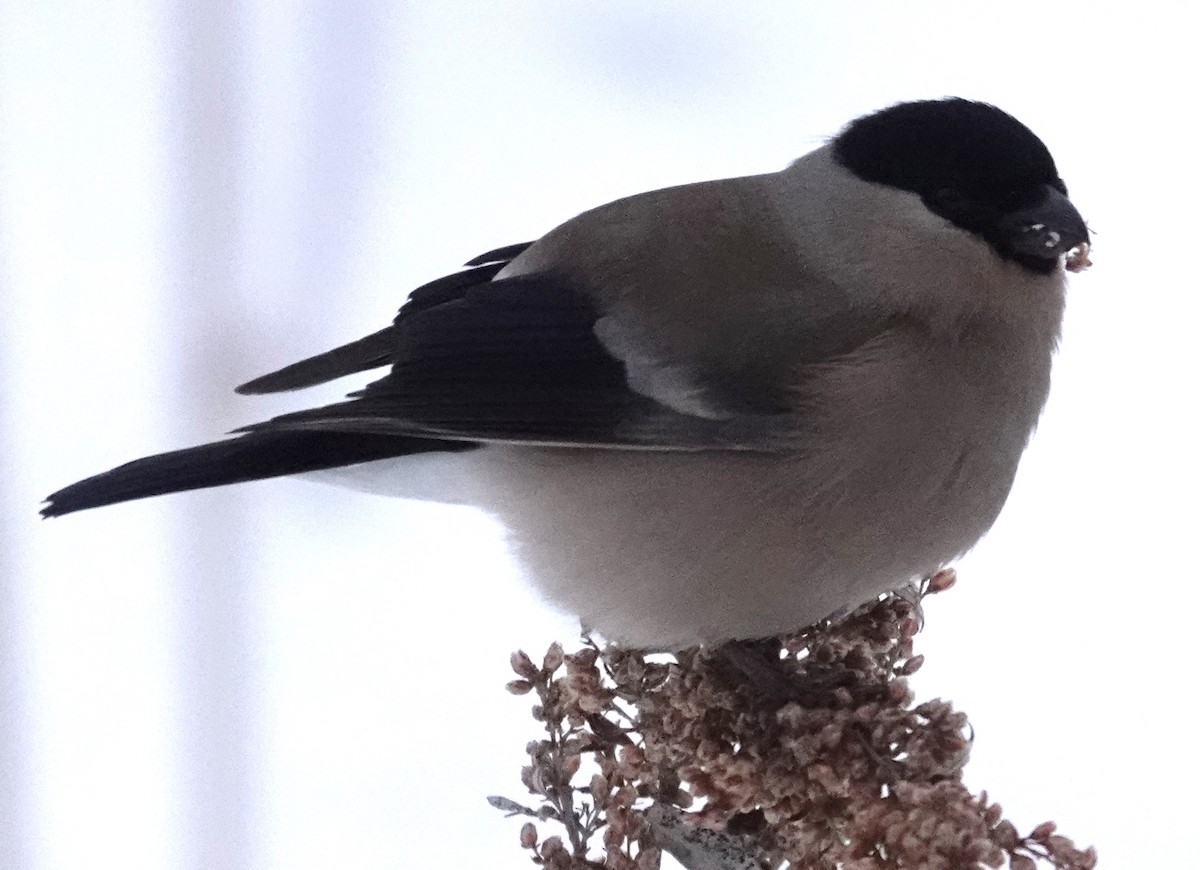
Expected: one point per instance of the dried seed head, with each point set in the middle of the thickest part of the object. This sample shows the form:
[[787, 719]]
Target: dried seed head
[[522, 665], [528, 835], [942, 580], [1042, 832], [553, 659], [827, 755]]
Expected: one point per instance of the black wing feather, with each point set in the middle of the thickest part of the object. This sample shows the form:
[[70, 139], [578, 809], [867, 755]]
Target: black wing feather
[[505, 254], [510, 359], [366, 353], [375, 350], [517, 360]]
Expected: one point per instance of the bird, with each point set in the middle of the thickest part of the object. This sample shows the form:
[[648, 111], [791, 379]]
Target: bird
[[717, 411]]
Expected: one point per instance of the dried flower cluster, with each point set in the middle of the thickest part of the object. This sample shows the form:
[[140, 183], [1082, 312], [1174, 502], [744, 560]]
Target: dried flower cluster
[[804, 751]]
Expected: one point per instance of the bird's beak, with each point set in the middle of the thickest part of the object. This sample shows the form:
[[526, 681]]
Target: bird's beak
[[1047, 229]]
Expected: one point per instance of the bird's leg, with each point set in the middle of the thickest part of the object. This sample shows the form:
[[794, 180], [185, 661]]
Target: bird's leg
[[780, 681], [758, 663], [748, 660]]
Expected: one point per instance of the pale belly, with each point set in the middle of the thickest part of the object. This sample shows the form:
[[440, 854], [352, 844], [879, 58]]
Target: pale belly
[[666, 550]]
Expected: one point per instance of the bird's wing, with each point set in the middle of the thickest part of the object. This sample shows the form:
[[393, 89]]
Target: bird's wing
[[514, 360]]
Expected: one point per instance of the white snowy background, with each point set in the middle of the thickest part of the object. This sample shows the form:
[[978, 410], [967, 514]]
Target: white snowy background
[[284, 675]]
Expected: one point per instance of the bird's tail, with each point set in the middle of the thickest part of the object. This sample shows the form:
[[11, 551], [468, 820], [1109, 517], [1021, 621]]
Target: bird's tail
[[253, 456]]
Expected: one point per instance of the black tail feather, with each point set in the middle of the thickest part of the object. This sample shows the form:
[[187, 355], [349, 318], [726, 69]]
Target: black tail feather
[[237, 460]]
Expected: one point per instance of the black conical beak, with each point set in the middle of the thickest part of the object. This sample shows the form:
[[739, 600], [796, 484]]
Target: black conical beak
[[1038, 234]]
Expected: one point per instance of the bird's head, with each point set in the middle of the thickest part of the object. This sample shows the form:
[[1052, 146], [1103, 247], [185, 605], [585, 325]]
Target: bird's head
[[979, 168]]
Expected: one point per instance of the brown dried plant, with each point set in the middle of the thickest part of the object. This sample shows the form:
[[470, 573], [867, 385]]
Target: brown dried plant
[[802, 751]]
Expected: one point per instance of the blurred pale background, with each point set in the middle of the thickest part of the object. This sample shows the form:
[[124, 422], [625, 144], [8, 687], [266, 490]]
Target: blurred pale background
[[285, 675]]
